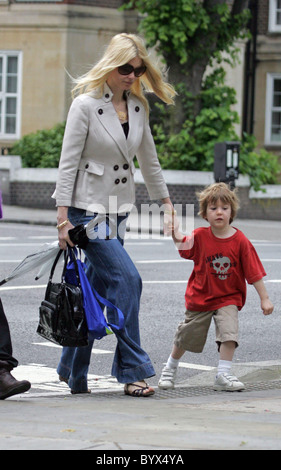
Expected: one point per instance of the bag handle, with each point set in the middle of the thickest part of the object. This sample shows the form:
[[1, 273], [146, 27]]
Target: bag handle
[[72, 255], [54, 264], [106, 302], [69, 254]]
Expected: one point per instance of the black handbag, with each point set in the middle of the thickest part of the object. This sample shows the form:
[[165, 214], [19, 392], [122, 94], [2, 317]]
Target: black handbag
[[61, 314]]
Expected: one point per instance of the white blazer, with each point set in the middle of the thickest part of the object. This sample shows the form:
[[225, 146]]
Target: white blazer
[[96, 169]]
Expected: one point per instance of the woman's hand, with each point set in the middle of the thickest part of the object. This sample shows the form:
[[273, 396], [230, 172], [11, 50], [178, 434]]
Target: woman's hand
[[171, 222], [64, 225], [64, 237]]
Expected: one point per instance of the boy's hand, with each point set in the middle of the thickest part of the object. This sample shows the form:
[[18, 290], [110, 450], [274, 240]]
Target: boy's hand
[[267, 306]]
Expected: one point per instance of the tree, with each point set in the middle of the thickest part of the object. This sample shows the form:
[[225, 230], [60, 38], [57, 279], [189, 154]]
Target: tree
[[191, 35]]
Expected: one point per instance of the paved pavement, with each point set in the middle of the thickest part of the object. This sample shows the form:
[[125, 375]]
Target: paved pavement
[[192, 417]]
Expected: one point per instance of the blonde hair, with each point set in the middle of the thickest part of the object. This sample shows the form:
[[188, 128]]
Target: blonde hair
[[121, 49], [215, 192]]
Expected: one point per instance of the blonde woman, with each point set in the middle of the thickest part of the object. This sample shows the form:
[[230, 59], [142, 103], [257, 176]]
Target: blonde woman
[[107, 125]]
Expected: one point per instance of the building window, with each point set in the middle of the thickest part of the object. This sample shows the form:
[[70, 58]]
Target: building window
[[273, 110], [274, 17], [10, 89]]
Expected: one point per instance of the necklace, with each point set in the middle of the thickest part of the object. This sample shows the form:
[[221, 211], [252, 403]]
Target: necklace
[[122, 116]]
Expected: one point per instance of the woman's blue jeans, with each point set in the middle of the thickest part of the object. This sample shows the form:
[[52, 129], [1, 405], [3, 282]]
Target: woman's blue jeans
[[114, 275]]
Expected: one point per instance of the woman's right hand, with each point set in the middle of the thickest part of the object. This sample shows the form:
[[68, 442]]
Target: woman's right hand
[[62, 219], [64, 237]]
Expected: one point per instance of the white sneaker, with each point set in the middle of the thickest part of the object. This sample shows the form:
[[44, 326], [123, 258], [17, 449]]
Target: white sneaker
[[167, 379], [228, 383]]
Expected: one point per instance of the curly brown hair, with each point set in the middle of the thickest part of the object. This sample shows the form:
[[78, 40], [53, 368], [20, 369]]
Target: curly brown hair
[[213, 193]]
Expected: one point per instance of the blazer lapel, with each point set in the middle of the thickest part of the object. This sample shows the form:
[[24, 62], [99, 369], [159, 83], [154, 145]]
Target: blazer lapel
[[109, 119], [134, 119]]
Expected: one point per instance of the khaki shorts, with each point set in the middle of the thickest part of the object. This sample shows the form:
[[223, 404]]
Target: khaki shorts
[[192, 334]]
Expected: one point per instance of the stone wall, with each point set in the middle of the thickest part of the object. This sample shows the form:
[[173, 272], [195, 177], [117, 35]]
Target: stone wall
[[33, 187]]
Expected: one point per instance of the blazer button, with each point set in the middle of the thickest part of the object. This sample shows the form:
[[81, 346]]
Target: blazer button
[[125, 166], [124, 180], [106, 95], [87, 165], [100, 111], [116, 167], [117, 181], [137, 109]]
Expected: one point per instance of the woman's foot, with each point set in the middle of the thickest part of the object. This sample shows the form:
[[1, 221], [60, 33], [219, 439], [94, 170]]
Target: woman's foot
[[73, 392], [62, 379], [138, 389]]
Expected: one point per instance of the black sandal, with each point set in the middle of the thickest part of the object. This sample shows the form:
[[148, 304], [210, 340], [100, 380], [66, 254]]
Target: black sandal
[[139, 390]]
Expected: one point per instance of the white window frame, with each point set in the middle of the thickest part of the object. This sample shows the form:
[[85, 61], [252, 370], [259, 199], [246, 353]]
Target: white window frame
[[269, 109], [273, 27], [4, 94]]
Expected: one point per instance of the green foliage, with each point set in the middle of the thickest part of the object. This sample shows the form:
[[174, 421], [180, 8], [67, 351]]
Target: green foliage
[[179, 27], [196, 34], [262, 167], [41, 149], [193, 147]]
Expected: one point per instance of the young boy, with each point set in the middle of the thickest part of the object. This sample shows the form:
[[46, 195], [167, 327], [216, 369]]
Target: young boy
[[223, 259]]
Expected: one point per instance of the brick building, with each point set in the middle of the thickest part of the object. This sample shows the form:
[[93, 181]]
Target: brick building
[[41, 42], [262, 96]]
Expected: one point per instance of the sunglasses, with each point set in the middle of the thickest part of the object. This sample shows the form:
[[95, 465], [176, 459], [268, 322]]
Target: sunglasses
[[127, 69]]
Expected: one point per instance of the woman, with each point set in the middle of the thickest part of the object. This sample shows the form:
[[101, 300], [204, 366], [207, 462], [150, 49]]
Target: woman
[[106, 127]]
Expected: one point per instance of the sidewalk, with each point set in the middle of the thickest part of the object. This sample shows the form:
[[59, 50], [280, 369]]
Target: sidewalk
[[192, 417]]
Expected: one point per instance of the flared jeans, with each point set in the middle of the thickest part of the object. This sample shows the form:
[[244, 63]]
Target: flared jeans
[[113, 274]]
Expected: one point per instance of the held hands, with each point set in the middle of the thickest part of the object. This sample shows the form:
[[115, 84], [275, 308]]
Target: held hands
[[171, 222], [172, 227]]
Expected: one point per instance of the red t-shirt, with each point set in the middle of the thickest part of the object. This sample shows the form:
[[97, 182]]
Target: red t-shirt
[[221, 267]]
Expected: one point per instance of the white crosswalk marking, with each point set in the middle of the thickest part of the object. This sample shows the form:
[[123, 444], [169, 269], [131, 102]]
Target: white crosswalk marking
[[53, 345], [187, 365], [46, 379]]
